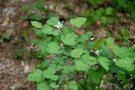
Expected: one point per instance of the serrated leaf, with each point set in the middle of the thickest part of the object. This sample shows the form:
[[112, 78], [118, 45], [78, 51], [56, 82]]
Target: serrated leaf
[[43, 86], [49, 30], [89, 60], [69, 39], [78, 22], [81, 66], [85, 36], [68, 69], [126, 63], [104, 62], [76, 53], [96, 75], [53, 47], [49, 71], [105, 52], [54, 85], [111, 44], [72, 85], [50, 74], [53, 21], [36, 24], [125, 52], [36, 75]]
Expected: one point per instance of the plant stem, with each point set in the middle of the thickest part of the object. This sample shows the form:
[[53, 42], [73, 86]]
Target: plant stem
[[85, 82]]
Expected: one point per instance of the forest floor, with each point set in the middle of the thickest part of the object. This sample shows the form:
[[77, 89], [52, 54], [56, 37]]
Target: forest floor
[[13, 70]]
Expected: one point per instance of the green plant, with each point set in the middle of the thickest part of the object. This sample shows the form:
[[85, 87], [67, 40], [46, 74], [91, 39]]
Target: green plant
[[34, 11], [4, 37], [75, 62], [124, 36], [103, 15], [124, 6], [96, 2]]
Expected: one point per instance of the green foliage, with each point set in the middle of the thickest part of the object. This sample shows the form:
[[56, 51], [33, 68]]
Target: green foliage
[[53, 21], [36, 75], [34, 11], [4, 37], [78, 22], [36, 24], [104, 62], [104, 15], [72, 61], [69, 39], [43, 86], [76, 53], [96, 2], [72, 85], [124, 36]]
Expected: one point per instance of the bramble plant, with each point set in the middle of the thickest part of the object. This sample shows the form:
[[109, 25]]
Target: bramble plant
[[76, 62]]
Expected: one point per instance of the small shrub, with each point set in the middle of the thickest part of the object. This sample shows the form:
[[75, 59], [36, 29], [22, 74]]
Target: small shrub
[[76, 62]]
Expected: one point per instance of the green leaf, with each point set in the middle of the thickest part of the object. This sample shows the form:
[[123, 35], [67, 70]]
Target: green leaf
[[36, 24], [111, 44], [96, 75], [122, 3], [49, 30], [43, 86], [49, 73], [36, 75], [125, 52], [72, 85], [105, 52], [104, 62], [68, 69], [53, 21], [89, 60], [69, 39], [85, 36], [133, 14], [53, 47], [5, 36], [54, 85], [109, 11], [1, 40], [126, 63], [98, 43], [81, 66], [78, 22], [76, 53], [96, 2]]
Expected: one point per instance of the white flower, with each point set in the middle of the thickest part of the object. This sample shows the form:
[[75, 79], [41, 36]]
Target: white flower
[[92, 38], [97, 52], [59, 25], [114, 60]]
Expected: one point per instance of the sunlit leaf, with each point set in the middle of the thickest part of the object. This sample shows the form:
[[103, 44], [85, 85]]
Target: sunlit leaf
[[36, 24], [53, 47], [78, 22], [36, 75], [76, 53], [69, 39]]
